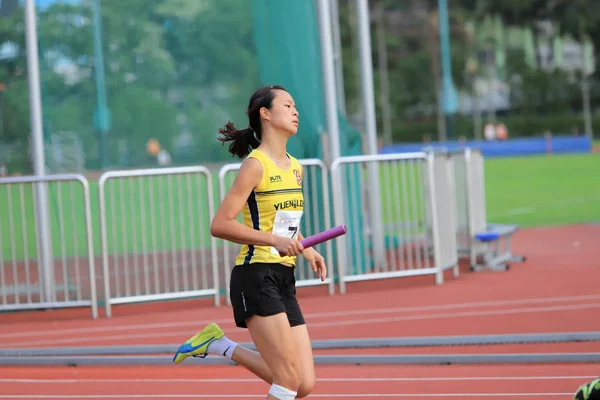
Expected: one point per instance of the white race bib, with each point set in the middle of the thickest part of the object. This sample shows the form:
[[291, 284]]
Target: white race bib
[[286, 224]]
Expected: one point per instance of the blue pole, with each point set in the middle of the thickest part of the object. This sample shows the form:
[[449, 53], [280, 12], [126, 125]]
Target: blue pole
[[101, 113], [449, 95]]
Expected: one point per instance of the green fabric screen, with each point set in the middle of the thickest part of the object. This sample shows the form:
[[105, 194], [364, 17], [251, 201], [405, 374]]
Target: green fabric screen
[[286, 36]]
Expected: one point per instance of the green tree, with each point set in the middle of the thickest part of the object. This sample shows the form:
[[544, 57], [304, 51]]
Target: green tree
[[167, 63], [14, 100]]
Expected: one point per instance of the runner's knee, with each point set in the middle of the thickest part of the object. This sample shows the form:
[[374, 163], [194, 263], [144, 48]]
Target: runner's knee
[[305, 388], [288, 375]]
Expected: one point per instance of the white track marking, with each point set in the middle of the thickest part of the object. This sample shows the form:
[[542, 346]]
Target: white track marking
[[181, 333], [308, 316], [249, 380], [457, 314], [262, 395]]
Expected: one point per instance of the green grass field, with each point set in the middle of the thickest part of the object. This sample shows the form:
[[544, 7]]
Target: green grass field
[[546, 190], [530, 191]]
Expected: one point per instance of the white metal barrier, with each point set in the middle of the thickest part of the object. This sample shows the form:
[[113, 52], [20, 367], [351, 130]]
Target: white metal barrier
[[413, 223], [155, 229], [52, 270], [475, 192], [316, 218], [443, 207], [472, 224], [155, 235], [459, 175]]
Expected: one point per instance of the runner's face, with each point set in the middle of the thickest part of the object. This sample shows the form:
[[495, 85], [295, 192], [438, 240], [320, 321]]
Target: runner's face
[[283, 115]]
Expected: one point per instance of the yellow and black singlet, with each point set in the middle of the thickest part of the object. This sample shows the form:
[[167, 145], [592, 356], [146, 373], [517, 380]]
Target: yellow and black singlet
[[276, 205]]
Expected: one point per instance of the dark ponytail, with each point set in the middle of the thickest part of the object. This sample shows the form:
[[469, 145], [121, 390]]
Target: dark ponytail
[[243, 141]]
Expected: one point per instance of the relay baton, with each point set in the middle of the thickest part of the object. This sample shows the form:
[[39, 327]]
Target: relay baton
[[323, 236]]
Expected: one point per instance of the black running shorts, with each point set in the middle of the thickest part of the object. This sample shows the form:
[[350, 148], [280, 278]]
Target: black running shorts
[[264, 289]]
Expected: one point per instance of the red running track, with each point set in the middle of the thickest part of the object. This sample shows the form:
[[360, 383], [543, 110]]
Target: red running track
[[556, 290], [356, 382], [518, 315]]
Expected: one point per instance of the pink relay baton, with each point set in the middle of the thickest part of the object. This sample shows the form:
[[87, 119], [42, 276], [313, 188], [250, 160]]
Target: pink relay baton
[[323, 236]]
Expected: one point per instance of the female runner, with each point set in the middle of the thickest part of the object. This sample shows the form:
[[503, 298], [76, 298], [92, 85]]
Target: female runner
[[268, 192]]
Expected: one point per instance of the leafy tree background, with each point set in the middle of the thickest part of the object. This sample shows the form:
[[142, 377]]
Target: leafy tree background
[[176, 70]]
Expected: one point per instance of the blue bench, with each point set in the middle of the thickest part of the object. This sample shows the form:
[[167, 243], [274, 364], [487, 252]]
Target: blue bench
[[497, 257]]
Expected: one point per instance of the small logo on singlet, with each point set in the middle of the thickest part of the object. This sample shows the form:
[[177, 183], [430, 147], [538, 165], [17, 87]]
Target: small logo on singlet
[[298, 177], [275, 178]]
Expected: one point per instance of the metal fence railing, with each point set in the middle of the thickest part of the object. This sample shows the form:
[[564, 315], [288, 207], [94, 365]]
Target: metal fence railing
[[459, 176], [469, 178], [316, 218], [154, 228], [411, 217], [46, 248], [469, 181], [442, 205], [155, 235], [475, 192]]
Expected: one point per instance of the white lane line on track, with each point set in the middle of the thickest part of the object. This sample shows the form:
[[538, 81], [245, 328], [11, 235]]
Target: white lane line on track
[[248, 380], [458, 314], [262, 395], [308, 316], [184, 334]]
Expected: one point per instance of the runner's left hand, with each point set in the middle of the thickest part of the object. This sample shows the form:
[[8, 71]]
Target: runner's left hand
[[316, 261]]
